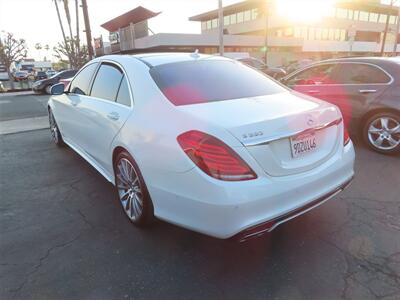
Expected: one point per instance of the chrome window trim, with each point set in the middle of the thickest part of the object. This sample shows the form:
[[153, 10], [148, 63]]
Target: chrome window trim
[[288, 135], [344, 84]]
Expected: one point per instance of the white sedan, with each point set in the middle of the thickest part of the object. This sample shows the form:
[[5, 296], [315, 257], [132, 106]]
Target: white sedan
[[203, 142]]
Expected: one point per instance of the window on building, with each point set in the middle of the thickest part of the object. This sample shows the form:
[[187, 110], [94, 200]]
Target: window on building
[[331, 34], [233, 19], [80, 84], [297, 32], [203, 25], [360, 74], [382, 18], [209, 24], [325, 34], [367, 36], [350, 14], [343, 35], [247, 15], [364, 16], [227, 20], [337, 35], [318, 34], [341, 13], [240, 17], [254, 13], [392, 20], [288, 32], [311, 33], [279, 33], [373, 17], [356, 15], [107, 82], [214, 23]]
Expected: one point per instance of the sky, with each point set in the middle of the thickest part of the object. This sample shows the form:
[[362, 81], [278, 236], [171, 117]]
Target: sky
[[36, 20]]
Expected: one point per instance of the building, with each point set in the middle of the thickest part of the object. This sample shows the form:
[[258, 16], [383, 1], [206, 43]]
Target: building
[[351, 27], [29, 64]]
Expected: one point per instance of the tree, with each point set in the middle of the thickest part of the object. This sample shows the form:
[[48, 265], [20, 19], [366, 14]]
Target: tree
[[11, 50], [76, 59], [38, 47], [68, 15], [62, 29]]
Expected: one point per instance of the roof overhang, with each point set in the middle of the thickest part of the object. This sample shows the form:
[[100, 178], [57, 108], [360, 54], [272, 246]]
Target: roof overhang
[[134, 16]]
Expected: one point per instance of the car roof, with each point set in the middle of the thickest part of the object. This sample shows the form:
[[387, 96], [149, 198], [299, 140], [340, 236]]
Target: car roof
[[156, 59], [374, 60]]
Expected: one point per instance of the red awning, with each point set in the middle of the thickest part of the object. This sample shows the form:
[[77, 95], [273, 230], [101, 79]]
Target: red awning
[[134, 16]]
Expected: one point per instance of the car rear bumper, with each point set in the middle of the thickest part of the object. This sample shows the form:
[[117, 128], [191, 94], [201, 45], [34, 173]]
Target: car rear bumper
[[226, 209]]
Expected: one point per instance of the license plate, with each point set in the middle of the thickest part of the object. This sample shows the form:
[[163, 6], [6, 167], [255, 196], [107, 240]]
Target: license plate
[[303, 144]]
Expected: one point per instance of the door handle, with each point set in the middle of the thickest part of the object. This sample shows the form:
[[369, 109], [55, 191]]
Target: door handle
[[74, 102], [367, 91], [113, 116]]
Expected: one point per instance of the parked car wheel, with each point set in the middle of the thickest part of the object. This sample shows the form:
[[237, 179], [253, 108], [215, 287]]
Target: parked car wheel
[[47, 89], [132, 191], [55, 132], [381, 132]]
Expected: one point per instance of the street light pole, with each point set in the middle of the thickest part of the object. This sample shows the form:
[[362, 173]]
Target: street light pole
[[221, 28], [87, 29]]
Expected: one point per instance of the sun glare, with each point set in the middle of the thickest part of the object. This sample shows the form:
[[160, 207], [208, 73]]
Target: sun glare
[[305, 11]]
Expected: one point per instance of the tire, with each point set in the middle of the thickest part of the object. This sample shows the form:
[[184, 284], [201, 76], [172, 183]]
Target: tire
[[381, 132], [132, 191], [46, 89], [55, 132]]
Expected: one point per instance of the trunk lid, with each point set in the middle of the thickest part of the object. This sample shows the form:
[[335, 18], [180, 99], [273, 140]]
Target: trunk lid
[[271, 126]]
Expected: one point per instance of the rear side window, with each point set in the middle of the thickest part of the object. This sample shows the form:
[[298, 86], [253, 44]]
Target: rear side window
[[80, 84], [203, 81], [352, 73], [123, 96], [107, 82]]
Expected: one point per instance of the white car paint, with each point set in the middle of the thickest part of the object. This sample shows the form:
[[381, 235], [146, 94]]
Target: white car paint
[[182, 193]]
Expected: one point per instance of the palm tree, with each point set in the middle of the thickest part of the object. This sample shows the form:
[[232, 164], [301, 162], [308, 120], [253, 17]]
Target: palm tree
[[77, 27], [38, 47], [62, 29], [68, 15]]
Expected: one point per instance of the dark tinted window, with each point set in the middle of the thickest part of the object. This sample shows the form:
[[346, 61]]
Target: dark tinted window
[[321, 74], [106, 83], [80, 84], [123, 93], [211, 80], [253, 63], [66, 74], [352, 73]]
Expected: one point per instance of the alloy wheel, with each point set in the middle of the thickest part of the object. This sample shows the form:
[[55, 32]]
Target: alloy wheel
[[384, 133], [129, 189], [53, 128]]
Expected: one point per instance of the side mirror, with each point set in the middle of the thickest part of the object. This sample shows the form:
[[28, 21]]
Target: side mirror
[[57, 89]]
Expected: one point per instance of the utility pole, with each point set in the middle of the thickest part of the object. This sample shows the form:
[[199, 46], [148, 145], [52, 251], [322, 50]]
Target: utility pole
[[266, 32], [221, 27], [396, 39], [87, 29], [386, 29]]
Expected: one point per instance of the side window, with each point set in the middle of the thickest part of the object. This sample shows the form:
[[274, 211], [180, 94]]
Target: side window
[[352, 73], [80, 84], [106, 83], [123, 96], [321, 74]]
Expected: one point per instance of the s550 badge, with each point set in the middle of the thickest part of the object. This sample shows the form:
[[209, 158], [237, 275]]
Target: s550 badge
[[253, 134]]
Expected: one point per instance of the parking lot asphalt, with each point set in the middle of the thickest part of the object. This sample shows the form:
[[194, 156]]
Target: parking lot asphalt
[[22, 106], [63, 235]]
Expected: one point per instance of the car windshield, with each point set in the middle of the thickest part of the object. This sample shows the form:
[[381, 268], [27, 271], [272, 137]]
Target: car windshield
[[205, 81]]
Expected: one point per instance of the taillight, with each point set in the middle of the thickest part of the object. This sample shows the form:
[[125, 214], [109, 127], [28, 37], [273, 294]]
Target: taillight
[[346, 136], [214, 157]]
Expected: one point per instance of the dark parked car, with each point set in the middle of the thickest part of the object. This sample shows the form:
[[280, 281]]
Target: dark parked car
[[367, 91], [40, 75], [276, 73], [43, 86]]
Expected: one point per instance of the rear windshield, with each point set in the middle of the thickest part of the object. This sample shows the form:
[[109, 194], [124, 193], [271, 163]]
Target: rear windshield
[[205, 81]]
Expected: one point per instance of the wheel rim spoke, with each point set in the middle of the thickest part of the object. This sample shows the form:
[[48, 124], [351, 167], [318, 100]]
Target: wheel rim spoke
[[385, 123], [129, 189], [373, 129], [379, 141], [392, 141]]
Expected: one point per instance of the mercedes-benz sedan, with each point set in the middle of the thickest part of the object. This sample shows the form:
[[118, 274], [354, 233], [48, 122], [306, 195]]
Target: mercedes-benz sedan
[[203, 142]]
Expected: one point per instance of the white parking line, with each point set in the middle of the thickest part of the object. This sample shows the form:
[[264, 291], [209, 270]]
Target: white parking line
[[21, 125], [4, 101]]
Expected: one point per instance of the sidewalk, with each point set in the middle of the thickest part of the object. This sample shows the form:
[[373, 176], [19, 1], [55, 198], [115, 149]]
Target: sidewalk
[[16, 93], [21, 125]]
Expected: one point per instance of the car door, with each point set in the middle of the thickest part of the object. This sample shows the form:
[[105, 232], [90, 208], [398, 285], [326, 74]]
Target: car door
[[105, 112], [67, 115], [356, 86]]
